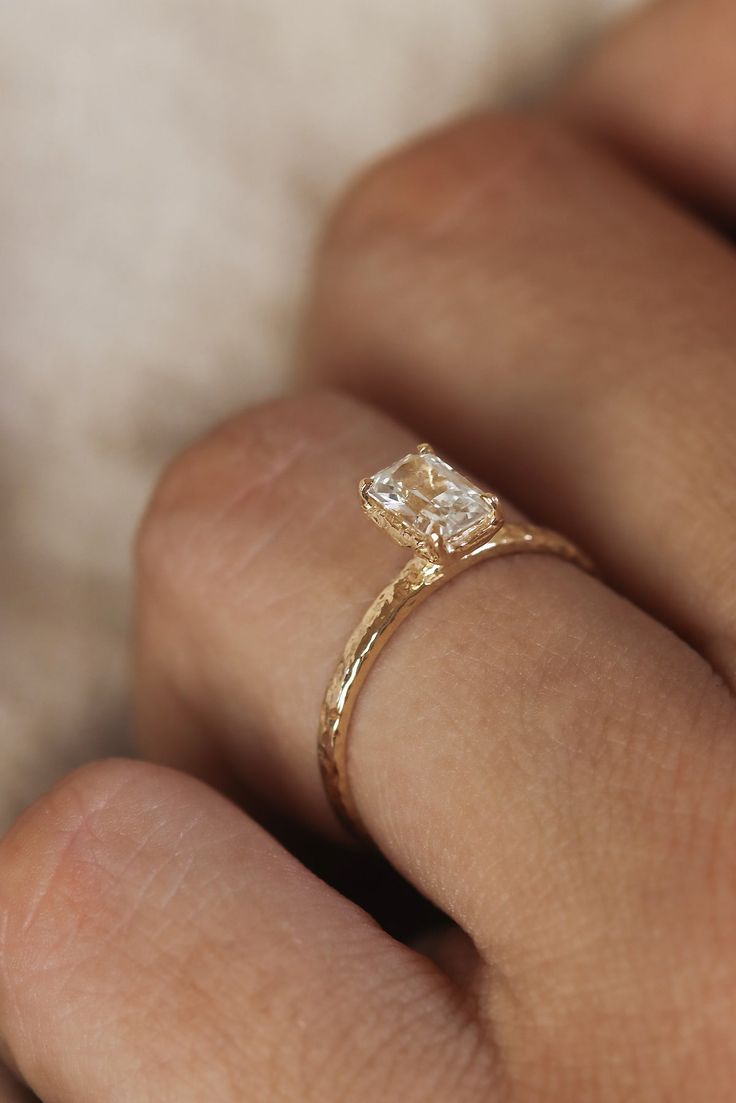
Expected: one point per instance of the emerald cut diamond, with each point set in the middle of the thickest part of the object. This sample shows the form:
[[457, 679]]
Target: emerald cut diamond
[[425, 502]]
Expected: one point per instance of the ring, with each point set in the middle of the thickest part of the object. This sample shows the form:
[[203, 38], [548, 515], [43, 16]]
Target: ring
[[451, 524]]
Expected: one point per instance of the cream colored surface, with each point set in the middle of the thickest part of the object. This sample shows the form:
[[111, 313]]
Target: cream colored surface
[[164, 169]]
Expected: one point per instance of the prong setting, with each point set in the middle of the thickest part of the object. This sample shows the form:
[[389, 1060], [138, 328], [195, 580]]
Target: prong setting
[[424, 503]]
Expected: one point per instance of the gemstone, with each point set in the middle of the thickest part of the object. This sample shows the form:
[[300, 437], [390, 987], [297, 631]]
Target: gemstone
[[427, 502]]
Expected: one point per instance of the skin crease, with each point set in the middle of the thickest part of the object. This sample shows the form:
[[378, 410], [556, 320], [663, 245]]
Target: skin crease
[[551, 764]]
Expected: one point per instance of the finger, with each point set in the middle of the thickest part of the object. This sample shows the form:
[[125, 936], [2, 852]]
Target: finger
[[539, 311], [663, 91], [159, 945], [537, 756], [13, 1092]]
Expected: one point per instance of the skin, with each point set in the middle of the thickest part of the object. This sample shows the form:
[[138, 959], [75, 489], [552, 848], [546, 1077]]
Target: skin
[[548, 756]]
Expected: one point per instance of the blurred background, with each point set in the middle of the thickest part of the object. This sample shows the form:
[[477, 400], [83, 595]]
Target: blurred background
[[166, 167]]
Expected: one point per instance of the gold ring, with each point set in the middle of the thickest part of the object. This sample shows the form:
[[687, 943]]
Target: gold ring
[[451, 524]]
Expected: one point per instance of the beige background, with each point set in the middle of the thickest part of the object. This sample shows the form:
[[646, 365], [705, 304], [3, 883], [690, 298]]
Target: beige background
[[165, 166]]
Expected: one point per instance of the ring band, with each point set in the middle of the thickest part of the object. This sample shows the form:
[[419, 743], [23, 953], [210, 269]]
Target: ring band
[[425, 504]]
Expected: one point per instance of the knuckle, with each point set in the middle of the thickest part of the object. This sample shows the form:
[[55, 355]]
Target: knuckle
[[210, 496], [159, 544], [54, 862], [484, 164]]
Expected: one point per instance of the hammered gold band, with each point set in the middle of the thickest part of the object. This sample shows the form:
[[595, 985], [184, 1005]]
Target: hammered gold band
[[417, 580]]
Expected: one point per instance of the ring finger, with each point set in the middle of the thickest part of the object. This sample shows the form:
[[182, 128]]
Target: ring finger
[[518, 704]]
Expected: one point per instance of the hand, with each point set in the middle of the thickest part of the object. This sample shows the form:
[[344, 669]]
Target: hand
[[548, 756]]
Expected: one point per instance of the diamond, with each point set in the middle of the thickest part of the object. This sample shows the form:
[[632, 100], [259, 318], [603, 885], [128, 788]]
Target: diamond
[[426, 502]]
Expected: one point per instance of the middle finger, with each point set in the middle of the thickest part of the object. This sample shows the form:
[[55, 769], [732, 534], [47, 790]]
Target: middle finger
[[534, 305]]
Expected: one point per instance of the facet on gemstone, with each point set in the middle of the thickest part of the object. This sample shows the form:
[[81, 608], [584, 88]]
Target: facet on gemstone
[[427, 502]]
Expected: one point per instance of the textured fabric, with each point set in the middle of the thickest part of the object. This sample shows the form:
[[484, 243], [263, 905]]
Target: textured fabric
[[164, 169]]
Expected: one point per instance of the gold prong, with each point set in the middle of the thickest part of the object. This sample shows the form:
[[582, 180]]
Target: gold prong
[[425, 449], [362, 494], [433, 548], [490, 500]]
